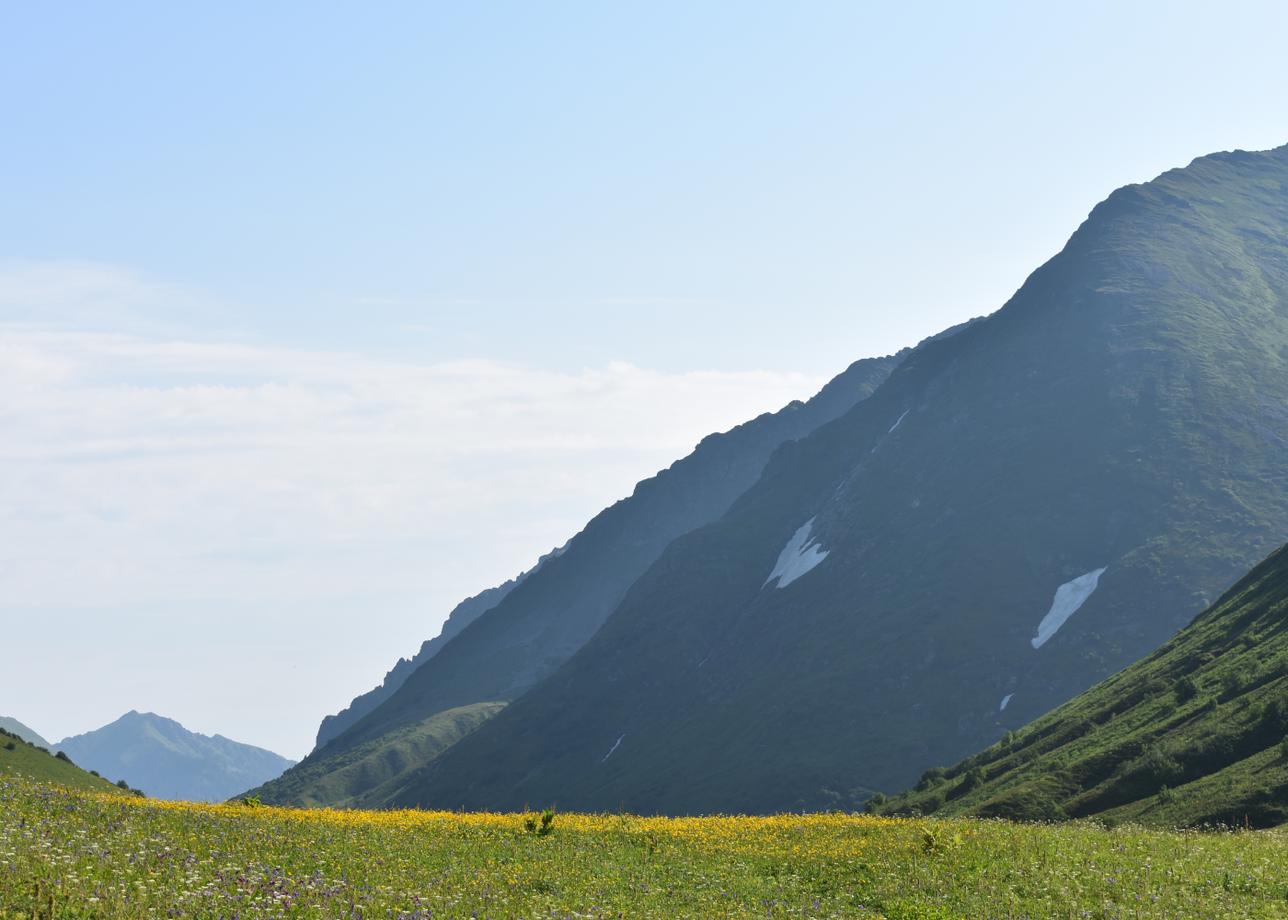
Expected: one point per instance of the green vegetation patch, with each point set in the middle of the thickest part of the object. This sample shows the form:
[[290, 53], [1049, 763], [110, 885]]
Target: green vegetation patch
[[20, 758], [364, 775]]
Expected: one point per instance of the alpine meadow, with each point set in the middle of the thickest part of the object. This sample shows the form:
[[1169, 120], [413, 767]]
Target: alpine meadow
[[700, 461]]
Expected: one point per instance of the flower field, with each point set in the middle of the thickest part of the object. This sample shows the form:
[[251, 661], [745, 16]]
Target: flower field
[[76, 854]]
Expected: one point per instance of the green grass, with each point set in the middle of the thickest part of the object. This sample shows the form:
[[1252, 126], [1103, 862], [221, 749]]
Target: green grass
[[1192, 734], [365, 775], [18, 758], [74, 854]]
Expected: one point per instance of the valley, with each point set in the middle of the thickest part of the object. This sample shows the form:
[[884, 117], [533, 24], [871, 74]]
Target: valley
[[605, 461]]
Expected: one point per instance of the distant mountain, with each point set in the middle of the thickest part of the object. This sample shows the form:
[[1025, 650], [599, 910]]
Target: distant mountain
[[543, 619], [1020, 510], [1193, 734], [462, 615], [14, 727], [166, 761]]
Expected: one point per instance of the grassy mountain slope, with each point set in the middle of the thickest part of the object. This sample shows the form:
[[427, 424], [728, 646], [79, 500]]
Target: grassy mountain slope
[[364, 774], [551, 613], [1115, 434], [167, 761], [19, 757], [1193, 734], [14, 727]]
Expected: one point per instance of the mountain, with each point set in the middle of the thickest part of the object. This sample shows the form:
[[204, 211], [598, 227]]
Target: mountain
[[14, 727], [1020, 510], [167, 761], [1194, 734], [21, 757], [554, 610]]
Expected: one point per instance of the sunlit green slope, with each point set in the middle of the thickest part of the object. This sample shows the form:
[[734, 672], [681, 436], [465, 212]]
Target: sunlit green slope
[[18, 757], [364, 775]]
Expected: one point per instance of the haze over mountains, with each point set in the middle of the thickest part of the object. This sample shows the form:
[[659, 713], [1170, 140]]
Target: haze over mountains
[[166, 761]]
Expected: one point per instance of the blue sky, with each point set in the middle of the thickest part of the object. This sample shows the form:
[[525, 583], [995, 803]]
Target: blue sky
[[315, 313]]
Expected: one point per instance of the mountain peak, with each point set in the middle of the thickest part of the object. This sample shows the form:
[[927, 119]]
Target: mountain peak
[[1084, 468], [164, 759]]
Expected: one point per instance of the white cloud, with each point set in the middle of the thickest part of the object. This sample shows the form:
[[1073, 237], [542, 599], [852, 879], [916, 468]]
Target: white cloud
[[131, 451], [298, 490]]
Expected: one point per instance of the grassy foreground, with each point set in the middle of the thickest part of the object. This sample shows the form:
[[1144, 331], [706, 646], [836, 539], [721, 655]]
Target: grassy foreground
[[71, 853]]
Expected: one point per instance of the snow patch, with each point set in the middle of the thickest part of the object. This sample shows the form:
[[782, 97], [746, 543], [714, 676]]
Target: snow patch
[[1006, 699], [799, 556], [616, 744], [898, 420], [1068, 598]]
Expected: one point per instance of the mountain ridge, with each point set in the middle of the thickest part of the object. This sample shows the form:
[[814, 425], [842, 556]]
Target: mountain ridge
[[1122, 413]]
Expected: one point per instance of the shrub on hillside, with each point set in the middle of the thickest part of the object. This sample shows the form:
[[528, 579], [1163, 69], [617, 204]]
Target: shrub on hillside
[[1231, 684], [1159, 766], [931, 777]]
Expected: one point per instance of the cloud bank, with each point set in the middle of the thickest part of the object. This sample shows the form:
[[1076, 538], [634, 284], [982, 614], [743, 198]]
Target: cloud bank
[[313, 512]]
